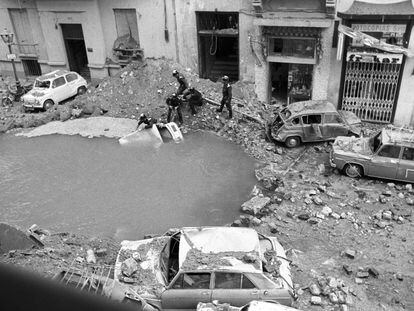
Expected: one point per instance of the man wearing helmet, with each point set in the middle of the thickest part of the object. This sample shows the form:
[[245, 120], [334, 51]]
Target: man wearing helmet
[[174, 103], [194, 98], [226, 100], [149, 122], [183, 84]]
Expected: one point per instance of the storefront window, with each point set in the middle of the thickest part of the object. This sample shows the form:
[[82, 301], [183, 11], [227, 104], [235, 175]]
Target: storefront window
[[293, 47], [299, 82]]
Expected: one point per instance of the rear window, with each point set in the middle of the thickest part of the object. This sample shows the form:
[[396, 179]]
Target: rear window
[[408, 154], [227, 280], [71, 77], [333, 118], [261, 281], [312, 119]]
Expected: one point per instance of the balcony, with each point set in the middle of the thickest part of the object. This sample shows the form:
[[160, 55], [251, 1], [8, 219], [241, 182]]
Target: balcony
[[26, 50]]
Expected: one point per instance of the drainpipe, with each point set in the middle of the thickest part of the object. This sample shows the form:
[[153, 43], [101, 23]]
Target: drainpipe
[[177, 51]]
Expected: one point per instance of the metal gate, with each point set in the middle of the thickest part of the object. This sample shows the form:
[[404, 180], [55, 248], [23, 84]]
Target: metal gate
[[370, 85]]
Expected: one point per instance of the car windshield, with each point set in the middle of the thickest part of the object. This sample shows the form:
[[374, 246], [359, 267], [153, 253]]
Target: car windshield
[[375, 142], [42, 84], [285, 113]]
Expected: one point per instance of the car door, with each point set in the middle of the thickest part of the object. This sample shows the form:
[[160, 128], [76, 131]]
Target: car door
[[59, 90], [406, 166], [233, 288], [384, 163], [312, 127], [72, 83], [333, 126], [186, 290]]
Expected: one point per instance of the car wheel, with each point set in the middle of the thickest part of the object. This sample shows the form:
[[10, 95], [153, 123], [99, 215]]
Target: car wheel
[[47, 104], [353, 170], [292, 141], [81, 90]]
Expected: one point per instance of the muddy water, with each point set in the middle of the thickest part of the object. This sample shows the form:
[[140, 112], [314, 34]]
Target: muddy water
[[96, 187]]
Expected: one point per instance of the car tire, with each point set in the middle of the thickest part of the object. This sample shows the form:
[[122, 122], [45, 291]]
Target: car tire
[[292, 141], [48, 104], [81, 90], [353, 170]]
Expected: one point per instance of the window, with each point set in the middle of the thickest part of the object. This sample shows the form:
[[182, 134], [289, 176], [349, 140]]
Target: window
[[71, 77], [58, 82], [126, 23], [296, 121], [390, 151], [294, 47], [261, 281], [192, 281], [312, 119], [31, 67], [227, 280], [42, 84], [408, 154], [333, 118], [246, 283]]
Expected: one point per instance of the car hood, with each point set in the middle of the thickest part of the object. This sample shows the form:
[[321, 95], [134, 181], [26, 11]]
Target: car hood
[[350, 146], [34, 93], [147, 281], [350, 117]]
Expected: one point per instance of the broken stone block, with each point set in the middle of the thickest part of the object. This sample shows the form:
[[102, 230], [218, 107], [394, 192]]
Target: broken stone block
[[374, 272], [315, 290], [387, 193], [255, 204], [326, 210], [378, 215], [319, 215], [317, 200], [101, 252], [313, 220], [316, 300], [333, 298], [335, 216], [326, 290], [90, 256], [255, 221], [381, 224], [129, 266], [401, 195], [359, 281], [382, 199], [348, 269], [321, 169], [304, 216], [341, 297], [390, 185], [236, 223], [409, 201], [409, 187], [308, 201], [399, 277], [332, 282], [387, 215], [350, 253]]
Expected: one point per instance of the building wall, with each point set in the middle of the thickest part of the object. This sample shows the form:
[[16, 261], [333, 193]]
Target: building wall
[[187, 34], [404, 114]]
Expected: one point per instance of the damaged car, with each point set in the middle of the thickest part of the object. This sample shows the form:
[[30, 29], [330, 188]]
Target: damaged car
[[204, 264], [311, 121], [388, 154]]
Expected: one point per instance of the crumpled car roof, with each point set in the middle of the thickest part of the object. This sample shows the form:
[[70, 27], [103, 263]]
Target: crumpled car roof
[[312, 106], [220, 248]]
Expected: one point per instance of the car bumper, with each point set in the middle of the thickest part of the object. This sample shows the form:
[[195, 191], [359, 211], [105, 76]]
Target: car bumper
[[32, 106], [331, 160]]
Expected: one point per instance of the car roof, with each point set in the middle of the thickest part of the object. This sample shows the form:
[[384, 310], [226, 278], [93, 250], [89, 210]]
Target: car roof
[[401, 136], [53, 74], [311, 106], [219, 248]]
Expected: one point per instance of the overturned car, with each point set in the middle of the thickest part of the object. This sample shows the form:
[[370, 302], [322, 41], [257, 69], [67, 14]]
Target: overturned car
[[312, 120], [191, 265]]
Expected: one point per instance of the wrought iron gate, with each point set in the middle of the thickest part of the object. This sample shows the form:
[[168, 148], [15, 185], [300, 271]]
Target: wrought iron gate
[[370, 85]]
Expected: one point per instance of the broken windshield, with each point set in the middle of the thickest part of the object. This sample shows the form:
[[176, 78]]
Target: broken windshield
[[375, 142], [285, 113], [42, 84]]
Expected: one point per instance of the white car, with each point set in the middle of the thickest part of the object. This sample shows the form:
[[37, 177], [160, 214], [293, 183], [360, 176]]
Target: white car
[[52, 88]]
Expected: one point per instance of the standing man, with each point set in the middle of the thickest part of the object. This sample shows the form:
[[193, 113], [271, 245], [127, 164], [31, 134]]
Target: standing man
[[226, 100], [194, 98], [174, 103], [183, 84]]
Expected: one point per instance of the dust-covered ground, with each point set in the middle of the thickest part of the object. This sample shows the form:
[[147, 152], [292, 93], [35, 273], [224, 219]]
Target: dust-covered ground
[[350, 241]]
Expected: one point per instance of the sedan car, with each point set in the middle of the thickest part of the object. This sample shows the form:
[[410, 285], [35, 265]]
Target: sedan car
[[52, 88], [309, 121], [186, 266], [388, 154]]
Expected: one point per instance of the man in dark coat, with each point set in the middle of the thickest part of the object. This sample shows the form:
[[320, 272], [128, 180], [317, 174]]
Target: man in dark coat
[[226, 100], [194, 98], [149, 122], [183, 84], [174, 103]]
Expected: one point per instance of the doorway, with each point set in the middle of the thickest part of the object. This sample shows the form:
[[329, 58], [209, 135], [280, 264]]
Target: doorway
[[279, 82], [218, 43], [75, 49]]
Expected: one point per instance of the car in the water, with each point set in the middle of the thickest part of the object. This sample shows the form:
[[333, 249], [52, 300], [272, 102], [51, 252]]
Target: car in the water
[[389, 154], [186, 266], [53, 88], [311, 121]]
